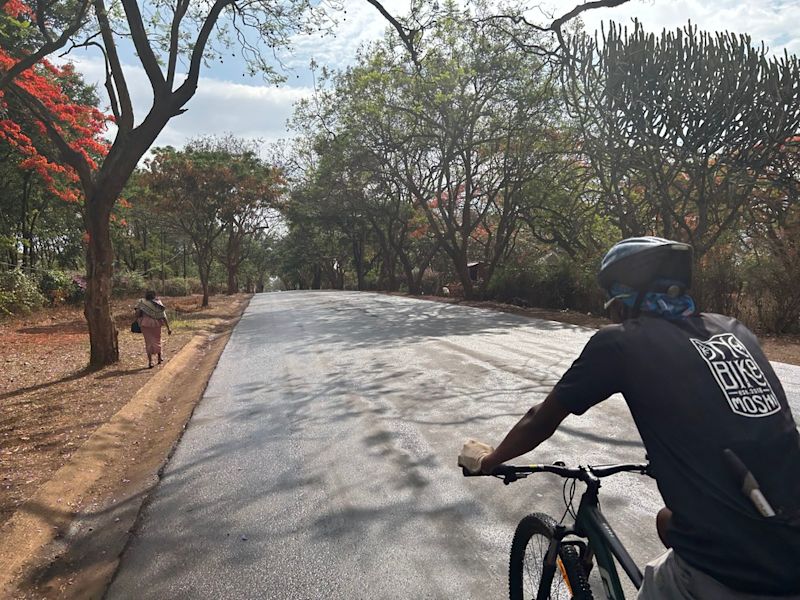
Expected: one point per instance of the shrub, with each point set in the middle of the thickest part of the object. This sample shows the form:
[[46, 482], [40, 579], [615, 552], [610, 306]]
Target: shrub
[[431, 282], [176, 287], [128, 283], [19, 293], [79, 287], [194, 285], [59, 287], [771, 291], [718, 282], [552, 282]]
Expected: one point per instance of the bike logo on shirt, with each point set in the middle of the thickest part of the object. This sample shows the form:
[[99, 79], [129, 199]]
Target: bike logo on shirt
[[744, 384]]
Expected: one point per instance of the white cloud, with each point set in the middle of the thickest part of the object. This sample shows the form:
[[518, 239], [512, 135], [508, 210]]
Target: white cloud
[[218, 107], [244, 110], [360, 24]]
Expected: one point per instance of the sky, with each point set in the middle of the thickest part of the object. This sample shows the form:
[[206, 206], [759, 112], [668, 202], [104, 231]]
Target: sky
[[229, 103]]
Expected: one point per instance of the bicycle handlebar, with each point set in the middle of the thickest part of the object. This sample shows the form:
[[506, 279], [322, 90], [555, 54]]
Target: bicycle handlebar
[[511, 473]]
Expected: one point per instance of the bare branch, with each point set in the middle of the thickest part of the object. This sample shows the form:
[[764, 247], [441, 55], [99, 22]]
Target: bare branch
[[174, 36], [558, 23], [189, 86], [406, 35], [143, 47], [125, 121]]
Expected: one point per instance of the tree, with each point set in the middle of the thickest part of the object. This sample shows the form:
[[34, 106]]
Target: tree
[[31, 30], [250, 200], [467, 124], [679, 128], [186, 36], [36, 183], [189, 190], [214, 190]]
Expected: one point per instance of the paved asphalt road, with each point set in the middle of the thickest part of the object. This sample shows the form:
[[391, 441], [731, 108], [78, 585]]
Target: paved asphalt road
[[321, 461]]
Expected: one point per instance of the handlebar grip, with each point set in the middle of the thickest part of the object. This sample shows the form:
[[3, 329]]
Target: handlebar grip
[[468, 473], [504, 471]]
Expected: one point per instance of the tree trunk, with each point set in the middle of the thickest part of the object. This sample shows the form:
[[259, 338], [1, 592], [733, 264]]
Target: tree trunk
[[463, 276], [412, 282], [316, 282], [358, 260], [232, 260], [97, 305], [204, 271], [204, 274], [233, 285], [23, 223]]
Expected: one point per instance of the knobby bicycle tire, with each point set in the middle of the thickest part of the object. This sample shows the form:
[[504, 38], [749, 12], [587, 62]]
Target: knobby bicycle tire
[[524, 577]]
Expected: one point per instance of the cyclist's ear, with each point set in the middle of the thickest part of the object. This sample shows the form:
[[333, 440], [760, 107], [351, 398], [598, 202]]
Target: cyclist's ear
[[618, 311]]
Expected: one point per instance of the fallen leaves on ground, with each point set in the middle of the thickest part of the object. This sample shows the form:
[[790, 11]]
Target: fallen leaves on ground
[[50, 403]]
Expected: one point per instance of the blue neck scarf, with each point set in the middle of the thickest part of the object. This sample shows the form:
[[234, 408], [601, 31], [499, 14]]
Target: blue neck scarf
[[655, 303]]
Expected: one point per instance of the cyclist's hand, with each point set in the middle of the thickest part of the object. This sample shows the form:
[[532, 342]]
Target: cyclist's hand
[[472, 454]]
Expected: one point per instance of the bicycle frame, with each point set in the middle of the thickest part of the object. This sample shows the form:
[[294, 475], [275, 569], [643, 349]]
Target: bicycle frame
[[603, 545], [590, 524]]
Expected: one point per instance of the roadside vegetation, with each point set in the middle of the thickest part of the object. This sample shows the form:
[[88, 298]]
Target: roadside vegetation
[[467, 152], [481, 147]]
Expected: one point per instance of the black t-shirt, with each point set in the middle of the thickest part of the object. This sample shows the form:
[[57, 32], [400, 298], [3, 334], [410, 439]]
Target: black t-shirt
[[696, 386]]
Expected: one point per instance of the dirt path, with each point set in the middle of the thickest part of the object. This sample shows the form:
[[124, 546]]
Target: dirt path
[[81, 450]]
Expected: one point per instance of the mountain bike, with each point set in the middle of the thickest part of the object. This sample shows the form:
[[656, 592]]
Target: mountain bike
[[552, 560]]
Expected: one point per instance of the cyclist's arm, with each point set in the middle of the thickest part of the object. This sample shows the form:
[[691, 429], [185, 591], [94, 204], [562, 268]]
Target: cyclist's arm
[[538, 424]]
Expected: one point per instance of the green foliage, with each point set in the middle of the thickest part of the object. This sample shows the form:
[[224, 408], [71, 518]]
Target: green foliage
[[19, 293], [415, 158], [553, 281], [62, 287]]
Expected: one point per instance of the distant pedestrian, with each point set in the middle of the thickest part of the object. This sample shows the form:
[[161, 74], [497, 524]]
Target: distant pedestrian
[[152, 315]]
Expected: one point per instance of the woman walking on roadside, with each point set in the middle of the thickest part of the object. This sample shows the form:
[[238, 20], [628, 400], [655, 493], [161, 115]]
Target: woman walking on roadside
[[152, 314]]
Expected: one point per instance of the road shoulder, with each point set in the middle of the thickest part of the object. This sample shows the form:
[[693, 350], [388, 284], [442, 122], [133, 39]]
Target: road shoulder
[[66, 540]]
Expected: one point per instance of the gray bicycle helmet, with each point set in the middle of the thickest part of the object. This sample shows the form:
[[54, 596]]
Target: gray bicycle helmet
[[641, 261]]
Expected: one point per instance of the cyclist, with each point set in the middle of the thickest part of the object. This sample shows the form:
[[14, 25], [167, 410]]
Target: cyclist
[[698, 387]]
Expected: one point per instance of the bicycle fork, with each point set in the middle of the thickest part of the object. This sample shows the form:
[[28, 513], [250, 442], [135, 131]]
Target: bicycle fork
[[552, 561]]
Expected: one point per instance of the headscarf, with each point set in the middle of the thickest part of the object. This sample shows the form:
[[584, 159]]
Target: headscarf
[[669, 306]]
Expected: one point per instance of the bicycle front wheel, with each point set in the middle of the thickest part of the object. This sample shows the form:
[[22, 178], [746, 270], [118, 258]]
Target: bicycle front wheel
[[528, 551]]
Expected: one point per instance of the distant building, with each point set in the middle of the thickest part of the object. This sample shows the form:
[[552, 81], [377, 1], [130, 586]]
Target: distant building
[[477, 270]]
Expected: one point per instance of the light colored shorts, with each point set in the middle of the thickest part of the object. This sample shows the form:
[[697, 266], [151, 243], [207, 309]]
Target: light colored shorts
[[669, 576]]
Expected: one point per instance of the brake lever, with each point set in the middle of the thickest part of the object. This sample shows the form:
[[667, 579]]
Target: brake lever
[[509, 478]]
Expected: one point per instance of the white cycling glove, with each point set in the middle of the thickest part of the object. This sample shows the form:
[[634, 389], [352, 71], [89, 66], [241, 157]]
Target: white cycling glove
[[472, 454]]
